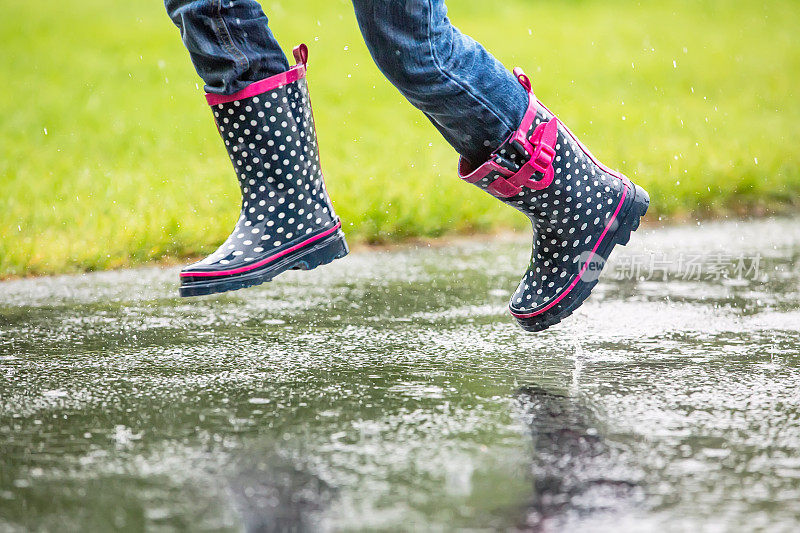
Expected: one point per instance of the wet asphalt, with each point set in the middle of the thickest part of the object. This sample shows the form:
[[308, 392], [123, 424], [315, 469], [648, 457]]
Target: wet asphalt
[[392, 391]]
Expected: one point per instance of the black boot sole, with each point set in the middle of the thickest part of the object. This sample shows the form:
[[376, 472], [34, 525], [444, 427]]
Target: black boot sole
[[315, 254], [626, 223]]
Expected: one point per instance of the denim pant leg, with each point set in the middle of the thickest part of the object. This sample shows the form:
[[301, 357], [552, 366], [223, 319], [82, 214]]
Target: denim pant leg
[[474, 101], [229, 41]]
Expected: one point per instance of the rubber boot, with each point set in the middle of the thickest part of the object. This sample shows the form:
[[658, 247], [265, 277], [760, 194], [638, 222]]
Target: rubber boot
[[580, 209], [287, 220]]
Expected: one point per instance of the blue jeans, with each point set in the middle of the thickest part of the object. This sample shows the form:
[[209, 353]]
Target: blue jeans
[[474, 101]]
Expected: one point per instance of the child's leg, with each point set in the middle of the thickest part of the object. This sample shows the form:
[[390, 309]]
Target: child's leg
[[513, 148], [229, 41], [263, 114], [468, 94]]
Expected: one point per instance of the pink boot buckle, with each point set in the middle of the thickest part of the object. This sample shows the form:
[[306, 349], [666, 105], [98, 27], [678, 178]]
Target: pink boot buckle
[[541, 148]]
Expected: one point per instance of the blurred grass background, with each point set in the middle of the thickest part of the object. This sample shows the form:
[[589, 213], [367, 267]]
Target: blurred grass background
[[109, 157]]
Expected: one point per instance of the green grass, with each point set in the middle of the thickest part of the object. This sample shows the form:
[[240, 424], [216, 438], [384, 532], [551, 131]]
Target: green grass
[[109, 157]]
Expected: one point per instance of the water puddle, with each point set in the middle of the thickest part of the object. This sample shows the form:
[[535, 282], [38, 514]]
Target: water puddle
[[392, 390]]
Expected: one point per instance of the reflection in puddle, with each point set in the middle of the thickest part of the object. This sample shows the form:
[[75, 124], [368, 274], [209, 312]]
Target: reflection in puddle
[[575, 471], [273, 494]]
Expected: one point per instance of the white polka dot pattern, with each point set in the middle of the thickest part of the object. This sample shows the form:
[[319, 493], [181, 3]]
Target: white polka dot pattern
[[568, 216], [272, 144]]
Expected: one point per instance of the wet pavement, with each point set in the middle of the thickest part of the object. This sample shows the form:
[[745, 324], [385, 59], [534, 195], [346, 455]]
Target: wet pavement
[[391, 391]]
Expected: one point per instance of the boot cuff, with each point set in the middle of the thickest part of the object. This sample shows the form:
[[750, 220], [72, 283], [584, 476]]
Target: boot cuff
[[471, 173], [295, 73]]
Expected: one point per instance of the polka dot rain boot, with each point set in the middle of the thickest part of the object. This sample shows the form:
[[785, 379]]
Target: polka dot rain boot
[[579, 208], [287, 220]]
